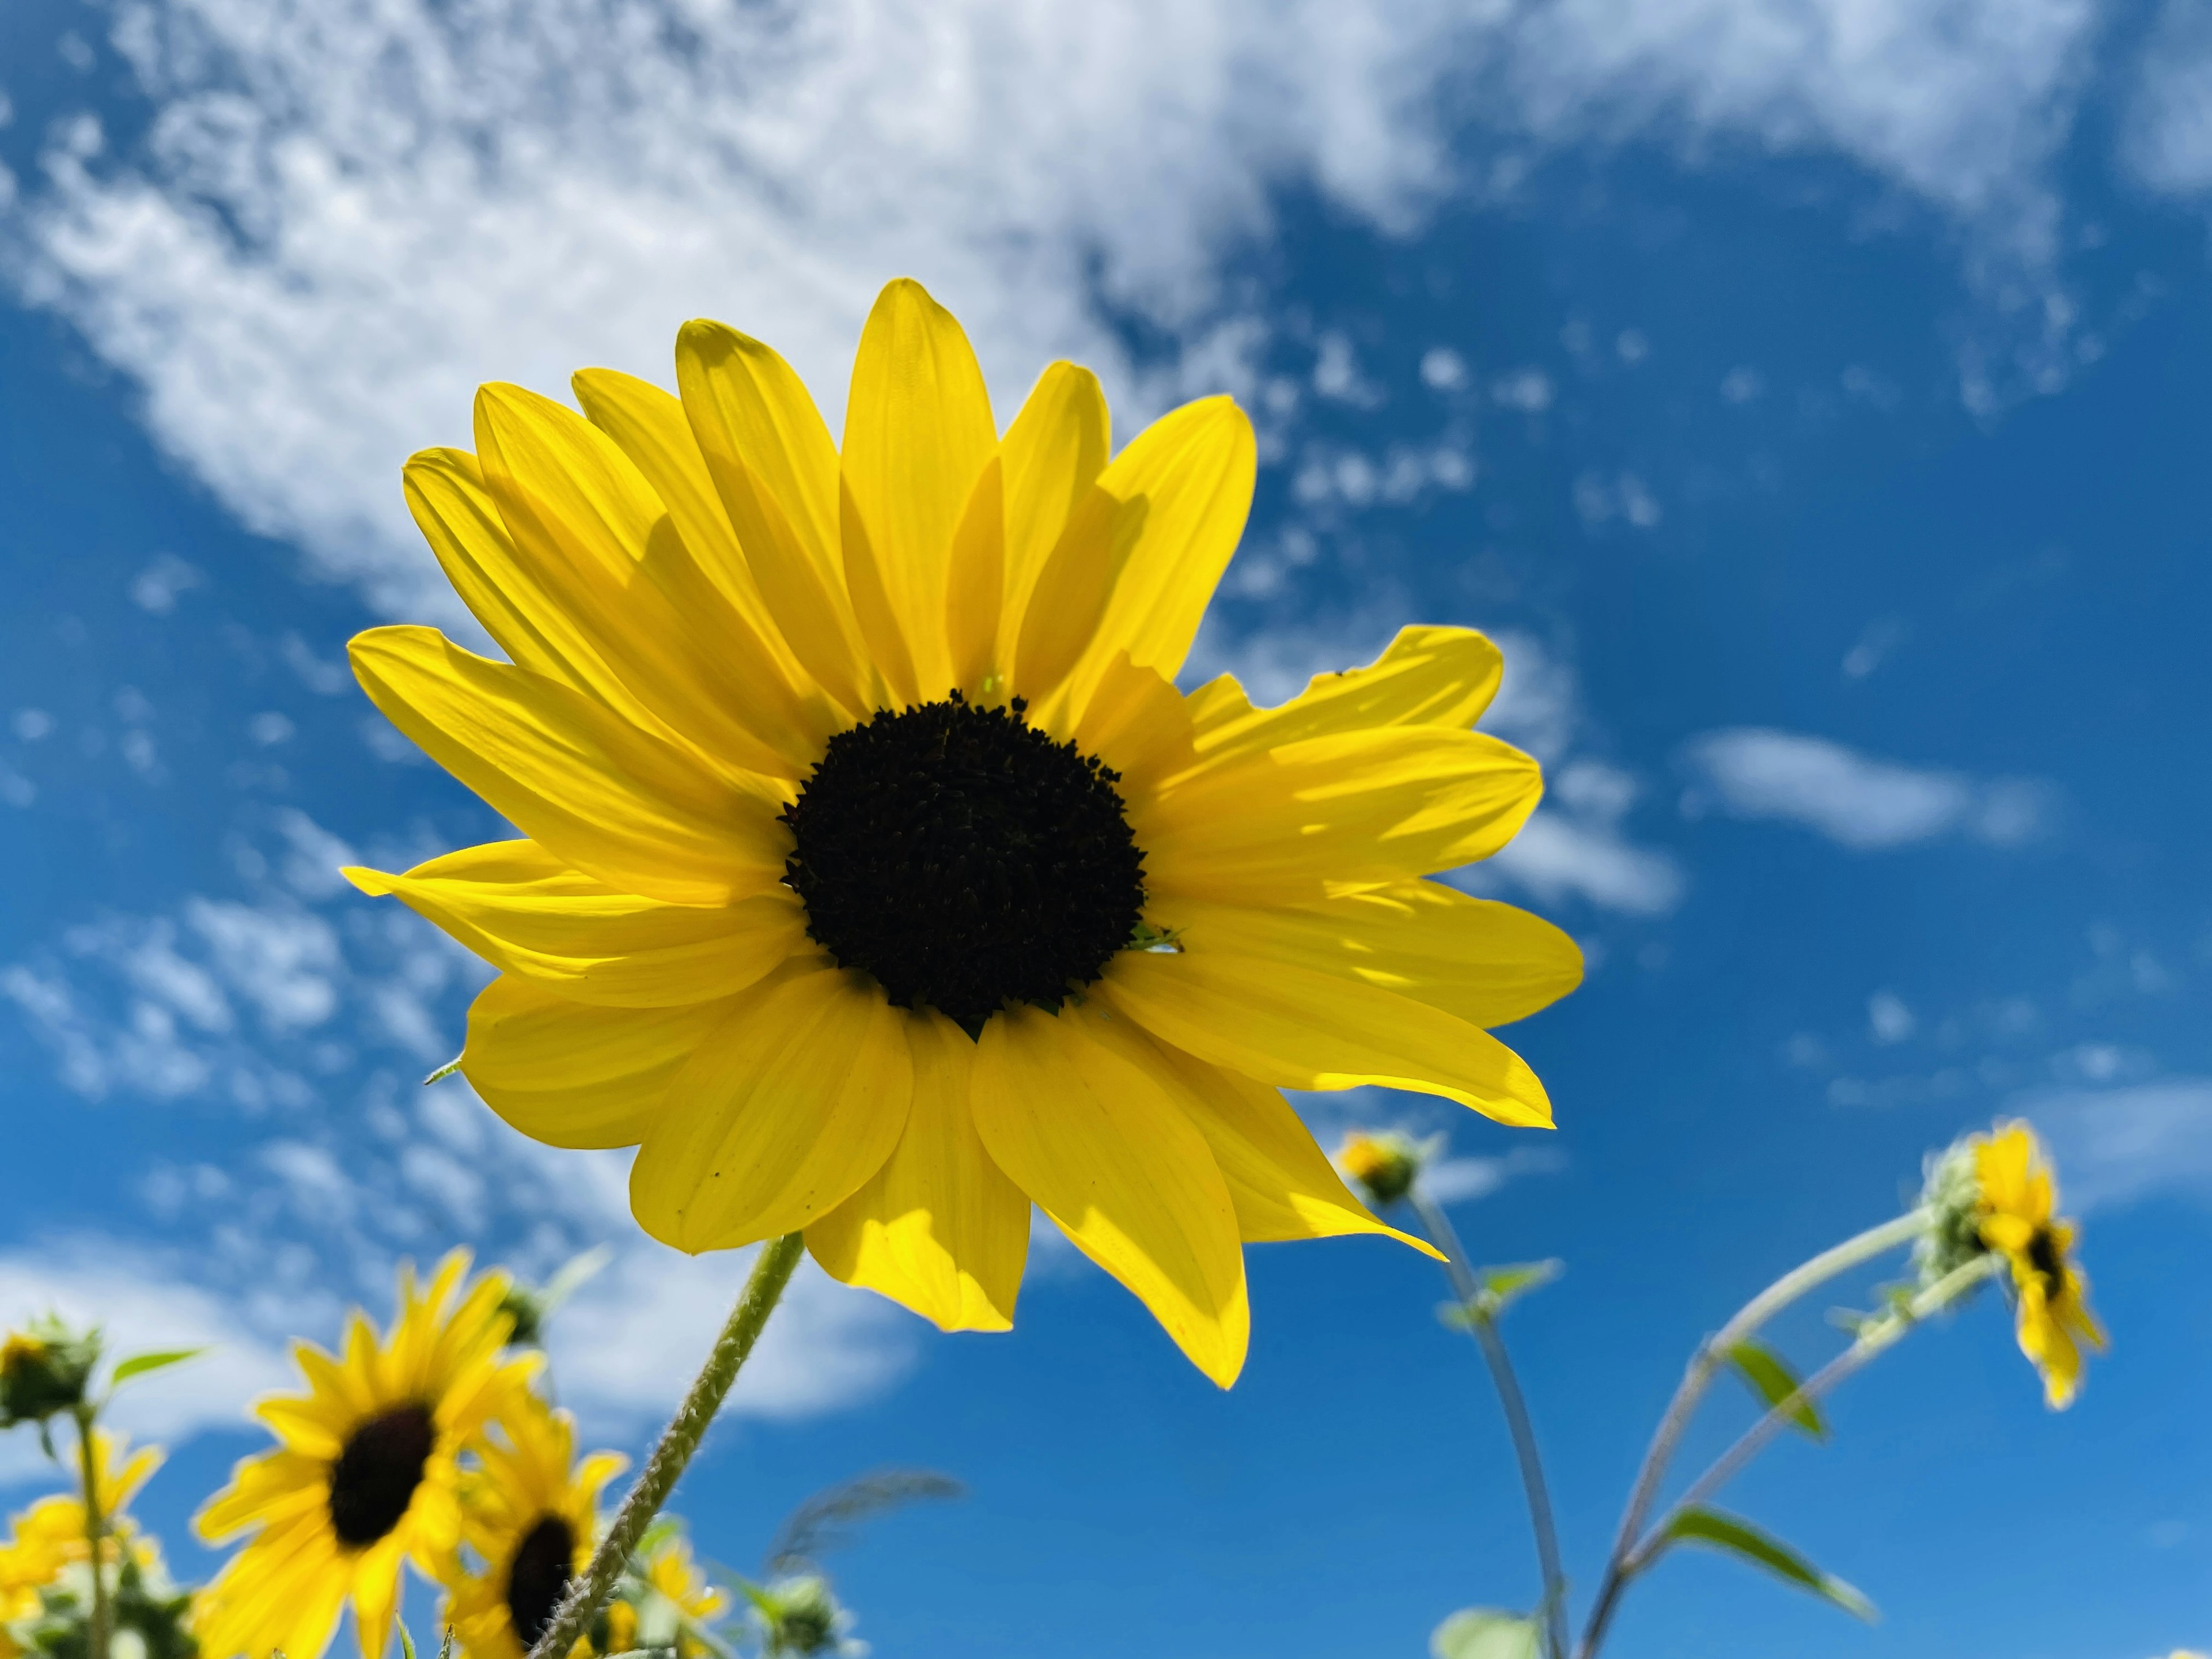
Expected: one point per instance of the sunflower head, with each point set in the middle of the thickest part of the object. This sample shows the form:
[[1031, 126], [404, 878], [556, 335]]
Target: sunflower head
[[366, 1475], [665, 1599], [2013, 1212], [1385, 1163], [44, 1368], [530, 1522]]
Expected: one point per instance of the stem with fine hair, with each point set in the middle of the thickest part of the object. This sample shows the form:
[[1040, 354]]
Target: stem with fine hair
[[1704, 1364], [1484, 1327], [95, 1528], [771, 1272]]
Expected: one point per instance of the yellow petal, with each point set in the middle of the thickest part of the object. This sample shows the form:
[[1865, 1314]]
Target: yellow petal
[[1053, 452], [1100, 1146], [598, 541], [918, 430], [1135, 721], [1298, 1028], [1331, 815], [1142, 552], [375, 1596], [570, 1074], [1280, 1182], [975, 604], [1426, 677], [518, 906], [776, 469], [601, 795], [1486, 963], [939, 1228], [797, 1100]]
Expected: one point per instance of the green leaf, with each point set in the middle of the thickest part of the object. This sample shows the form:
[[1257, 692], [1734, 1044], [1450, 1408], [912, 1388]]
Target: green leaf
[[1502, 1284], [406, 1642], [1486, 1633], [139, 1363], [1740, 1538], [1769, 1374]]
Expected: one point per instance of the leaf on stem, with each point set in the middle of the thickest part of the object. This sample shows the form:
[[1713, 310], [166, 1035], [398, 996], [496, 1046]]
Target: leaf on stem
[[1740, 1538], [1770, 1377], [139, 1363], [1500, 1288], [1486, 1633]]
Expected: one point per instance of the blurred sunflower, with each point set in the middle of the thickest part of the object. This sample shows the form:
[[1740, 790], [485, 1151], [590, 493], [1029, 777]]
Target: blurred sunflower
[[877, 880], [46, 1540], [366, 1477], [665, 1599], [531, 1514], [2016, 1202]]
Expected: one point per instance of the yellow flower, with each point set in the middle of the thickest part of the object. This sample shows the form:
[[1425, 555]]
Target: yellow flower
[[878, 881], [531, 1516], [2015, 1210], [366, 1477], [1386, 1165], [49, 1536], [665, 1598]]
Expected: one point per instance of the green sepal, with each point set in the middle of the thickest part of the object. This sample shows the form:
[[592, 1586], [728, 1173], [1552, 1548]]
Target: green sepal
[[445, 1071], [1740, 1538], [1500, 1288], [1486, 1633], [1770, 1376], [139, 1363]]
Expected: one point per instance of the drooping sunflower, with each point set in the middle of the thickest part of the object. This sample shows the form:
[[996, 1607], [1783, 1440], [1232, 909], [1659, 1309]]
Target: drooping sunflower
[[366, 1477], [530, 1514], [2016, 1214], [877, 880]]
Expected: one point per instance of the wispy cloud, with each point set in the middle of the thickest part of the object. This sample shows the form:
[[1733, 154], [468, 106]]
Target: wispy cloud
[[1854, 800], [2114, 1147]]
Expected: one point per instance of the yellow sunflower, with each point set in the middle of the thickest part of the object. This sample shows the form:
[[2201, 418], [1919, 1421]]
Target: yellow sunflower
[[877, 880], [665, 1598], [366, 1477], [50, 1536], [2016, 1201], [531, 1514]]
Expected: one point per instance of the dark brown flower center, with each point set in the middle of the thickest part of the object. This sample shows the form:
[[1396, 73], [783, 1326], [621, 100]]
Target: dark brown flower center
[[375, 1478], [537, 1577], [2043, 1255], [965, 860]]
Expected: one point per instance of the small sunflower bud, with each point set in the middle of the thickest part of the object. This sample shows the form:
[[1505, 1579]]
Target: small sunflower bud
[[1385, 1165], [798, 1616], [44, 1368], [1951, 1193]]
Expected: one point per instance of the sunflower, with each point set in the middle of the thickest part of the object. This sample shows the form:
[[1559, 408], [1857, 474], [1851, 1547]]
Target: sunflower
[[366, 1476], [2015, 1203], [879, 881], [531, 1514], [47, 1539], [664, 1598]]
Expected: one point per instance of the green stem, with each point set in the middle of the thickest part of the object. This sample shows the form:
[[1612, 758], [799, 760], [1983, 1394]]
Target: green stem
[[96, 1527], [1468, 1289], [1711, 1354], [771, 1272]]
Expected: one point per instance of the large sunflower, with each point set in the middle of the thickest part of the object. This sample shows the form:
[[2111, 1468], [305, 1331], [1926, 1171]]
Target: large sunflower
[[2016, 1214], [366, 1477], [877, 880], [531, 1514]]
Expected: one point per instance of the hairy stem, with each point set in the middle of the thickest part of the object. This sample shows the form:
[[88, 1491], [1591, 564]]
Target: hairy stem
[[1468, 1289], [771, 1272], [1710, 1355]]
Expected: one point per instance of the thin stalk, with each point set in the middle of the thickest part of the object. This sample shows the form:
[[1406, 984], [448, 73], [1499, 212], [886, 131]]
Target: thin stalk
[[1698, 1376], [1468, 1289], [771, 1272], [1876, 1340], [96, 1528]]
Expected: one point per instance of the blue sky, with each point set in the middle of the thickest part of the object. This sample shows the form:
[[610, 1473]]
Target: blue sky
[[1806, 394]]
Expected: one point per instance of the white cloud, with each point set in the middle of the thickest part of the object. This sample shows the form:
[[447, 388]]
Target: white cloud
[[2114, 1146], [1464, 1180], [1888, 1020], [1860, 802], [343, 216], [2168, 132], [1556, 858]]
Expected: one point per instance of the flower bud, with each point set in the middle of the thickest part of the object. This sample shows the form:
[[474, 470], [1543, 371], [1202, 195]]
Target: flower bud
[[44, 1368], [1385, 1165]]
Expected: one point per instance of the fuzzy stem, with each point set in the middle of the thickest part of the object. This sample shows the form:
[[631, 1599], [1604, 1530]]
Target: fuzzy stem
[[1710, 1355], [771, 1272], [1468, 1289], [95, 1528]]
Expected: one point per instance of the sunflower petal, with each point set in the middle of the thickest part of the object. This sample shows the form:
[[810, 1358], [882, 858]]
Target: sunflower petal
[[1334, 814], [918, 430], [1100, 1144], [1425, 677], [1278, 1180], [939, 1228], [796, 1101], [1298, 1028], [1055, 452], [1486, 963], [570, 1074], [518, 906], [776, 469], [601, 795], [1142, 552]]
